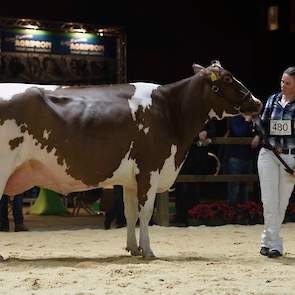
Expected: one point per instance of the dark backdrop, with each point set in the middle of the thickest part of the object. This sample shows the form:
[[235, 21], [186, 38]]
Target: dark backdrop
[[164, 38]]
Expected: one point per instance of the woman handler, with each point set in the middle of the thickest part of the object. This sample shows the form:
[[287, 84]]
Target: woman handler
[[276, 184]]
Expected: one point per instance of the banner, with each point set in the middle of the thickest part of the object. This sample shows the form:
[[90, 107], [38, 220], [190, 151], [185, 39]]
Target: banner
[[40, 41], [25, 40], [56, 55]]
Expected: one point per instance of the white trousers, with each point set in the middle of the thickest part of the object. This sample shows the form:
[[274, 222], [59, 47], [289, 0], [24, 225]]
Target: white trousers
[[276, 187]]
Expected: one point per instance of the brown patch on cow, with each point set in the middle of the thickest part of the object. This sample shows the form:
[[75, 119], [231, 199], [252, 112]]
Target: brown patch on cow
[[14, 143]]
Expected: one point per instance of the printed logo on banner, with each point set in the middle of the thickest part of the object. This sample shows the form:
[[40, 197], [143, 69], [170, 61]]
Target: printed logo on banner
[[86, 44], [26, 41]]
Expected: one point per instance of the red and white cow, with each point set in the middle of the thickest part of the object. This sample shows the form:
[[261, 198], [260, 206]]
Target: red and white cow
[[137, 135]]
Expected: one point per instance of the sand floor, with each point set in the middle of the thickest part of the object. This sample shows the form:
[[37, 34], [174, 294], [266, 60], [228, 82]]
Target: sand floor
[[75, 255]]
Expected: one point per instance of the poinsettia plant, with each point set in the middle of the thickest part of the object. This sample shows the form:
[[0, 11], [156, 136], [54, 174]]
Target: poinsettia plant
[[249, 213], [217, 213]]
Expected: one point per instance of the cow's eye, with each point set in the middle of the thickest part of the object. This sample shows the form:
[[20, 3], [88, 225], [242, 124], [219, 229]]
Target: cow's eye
[[215, 88], [227, 79]]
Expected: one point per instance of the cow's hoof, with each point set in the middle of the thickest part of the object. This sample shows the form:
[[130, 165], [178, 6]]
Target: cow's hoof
[[134, 251], [148, 254]]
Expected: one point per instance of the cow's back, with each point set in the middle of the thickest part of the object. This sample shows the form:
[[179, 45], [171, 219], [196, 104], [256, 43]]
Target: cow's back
[[90, 130]]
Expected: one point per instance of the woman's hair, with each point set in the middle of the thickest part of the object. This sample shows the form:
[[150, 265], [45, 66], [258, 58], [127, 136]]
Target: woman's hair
[[290, 71]]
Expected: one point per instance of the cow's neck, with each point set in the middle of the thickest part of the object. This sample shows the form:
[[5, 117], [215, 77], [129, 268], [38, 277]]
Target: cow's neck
[[190, 107]]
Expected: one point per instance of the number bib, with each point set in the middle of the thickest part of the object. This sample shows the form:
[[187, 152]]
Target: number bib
[[280, 127]]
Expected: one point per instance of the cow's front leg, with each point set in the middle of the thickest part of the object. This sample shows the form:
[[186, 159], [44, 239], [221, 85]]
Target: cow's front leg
[[131, 214]]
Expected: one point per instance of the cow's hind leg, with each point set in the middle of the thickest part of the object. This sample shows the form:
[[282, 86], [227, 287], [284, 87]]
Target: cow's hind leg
[[3, 181], [146, 197], [131, 214], [145, 215]]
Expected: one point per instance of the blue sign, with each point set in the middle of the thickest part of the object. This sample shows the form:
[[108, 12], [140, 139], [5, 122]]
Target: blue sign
[[28, 40], [87, 44]]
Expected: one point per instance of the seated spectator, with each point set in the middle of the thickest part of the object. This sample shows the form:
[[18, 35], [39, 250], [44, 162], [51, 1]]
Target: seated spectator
[[17, 211], [116, 212], [240, 157]]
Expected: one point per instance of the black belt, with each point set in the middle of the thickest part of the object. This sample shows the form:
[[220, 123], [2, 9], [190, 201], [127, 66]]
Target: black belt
[[277, 154], [280, 150], [287, 151]]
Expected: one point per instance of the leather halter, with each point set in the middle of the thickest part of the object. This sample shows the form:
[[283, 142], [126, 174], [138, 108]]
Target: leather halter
[[216, 89]]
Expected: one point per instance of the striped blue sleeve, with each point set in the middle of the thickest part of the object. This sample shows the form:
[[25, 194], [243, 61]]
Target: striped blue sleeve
[[267, 109]]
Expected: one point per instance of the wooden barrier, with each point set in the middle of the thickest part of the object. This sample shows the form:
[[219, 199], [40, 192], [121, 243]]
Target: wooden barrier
[[162, 209]]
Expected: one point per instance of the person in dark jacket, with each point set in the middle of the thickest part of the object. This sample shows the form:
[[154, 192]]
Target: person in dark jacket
[[116, 212], [17, 211], [240, 157]]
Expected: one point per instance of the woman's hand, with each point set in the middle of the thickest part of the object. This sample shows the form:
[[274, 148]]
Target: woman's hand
[[255, 141], [203, 137]]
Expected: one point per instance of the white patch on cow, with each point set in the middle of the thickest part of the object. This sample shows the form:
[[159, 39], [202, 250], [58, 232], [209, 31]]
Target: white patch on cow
[[146, 130], [46, 134], [8, 90], [212, 114], [142, 97], [226, 115], [125, 174], [168, 172], [255, 99], [154, 181], [8, 131], [140, 126]]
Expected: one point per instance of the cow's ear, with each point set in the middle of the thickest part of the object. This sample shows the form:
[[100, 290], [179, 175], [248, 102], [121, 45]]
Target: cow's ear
[[197, 68]]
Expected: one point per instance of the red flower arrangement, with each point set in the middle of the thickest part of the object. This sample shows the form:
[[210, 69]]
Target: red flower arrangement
[[219, 213], [249, 213], [211, 213]]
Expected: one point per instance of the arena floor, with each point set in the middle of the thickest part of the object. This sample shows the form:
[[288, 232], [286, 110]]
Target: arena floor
[[75, 255]]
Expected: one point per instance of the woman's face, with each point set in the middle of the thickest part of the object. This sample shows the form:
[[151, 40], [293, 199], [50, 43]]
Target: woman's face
[[288, 85]]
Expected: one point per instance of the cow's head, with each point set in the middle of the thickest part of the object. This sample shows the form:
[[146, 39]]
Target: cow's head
[[227, 96]]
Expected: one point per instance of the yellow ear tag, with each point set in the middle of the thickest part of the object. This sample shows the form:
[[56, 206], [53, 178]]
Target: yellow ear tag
[[213, 77]]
